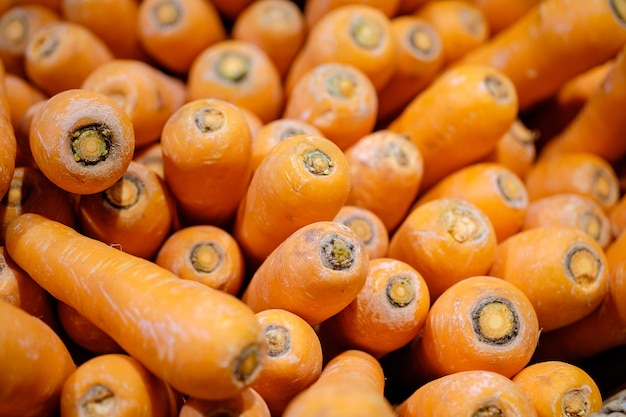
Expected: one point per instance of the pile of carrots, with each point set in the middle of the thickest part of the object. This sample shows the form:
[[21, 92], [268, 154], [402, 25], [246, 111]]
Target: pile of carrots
[[319, 208]]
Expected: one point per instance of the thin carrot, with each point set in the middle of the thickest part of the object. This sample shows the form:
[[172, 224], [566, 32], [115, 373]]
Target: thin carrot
[[561, 269], [203, 342], [302, 180], [445, 240], [368, 226], [82, 140], [315, 272], [8, 144], [516, 149], [314, 10], [294, 359], [247, 403], [35, 363]]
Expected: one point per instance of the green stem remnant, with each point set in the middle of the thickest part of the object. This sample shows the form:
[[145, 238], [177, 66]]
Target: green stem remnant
[[318, 162], [497, 89], [248, 364], [209, 120], [206, 257], [278, 340], [575, 403], [91, 144], [489, 411], [495, 321], [366, 33], [124, 193], [619, 8], [98, 401], [582, 265], [233, 66], [341, 85], [166, 13], [362, 227], [512, 190], [337, 252], [400, 291]]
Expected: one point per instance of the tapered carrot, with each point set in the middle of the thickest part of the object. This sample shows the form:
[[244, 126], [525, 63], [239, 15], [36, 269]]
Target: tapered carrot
[[315, 272], [314, 10], [201, 341], [468, 393], [368, 226], [206, 148], [82, 140], [240, 72], [35, 363], [8, 143], [388, 313], [247, 403], [543, 48], [338, 99], [516, 149], [386, 170], [174, 32], [302, 180], [480, 323], [204, 253], [561, 269], [559, 389], [445, 240], [480, 102], [294, 359]]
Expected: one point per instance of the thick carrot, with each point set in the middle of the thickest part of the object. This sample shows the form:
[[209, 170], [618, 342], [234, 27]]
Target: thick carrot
[[388, 312], [315, 272], [445, 240], [559, 389], [516, 149], [247, 403], [502, 13], [338, 99], [480, 102], [35, 363], [479, 323], [368, 226], [203, 342], [473, 393], [561, 269], [206, 148], [82, 140], [204, 253], [240, 72], [174, 32], [302, 180], [386, 170], [552, 42], [294, 360], [8, 144]]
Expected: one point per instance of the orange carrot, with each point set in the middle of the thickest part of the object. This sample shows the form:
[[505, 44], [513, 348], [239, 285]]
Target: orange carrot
[[230, 9], [82, 140], [8, 144], [368, 226], [247, 403], [502, 13], [24, 155], [203, 342], [23, 95], [152, 157], [616, 251], [445, 240], [516, 149], [315, 272], [314, 10], [617, 217]]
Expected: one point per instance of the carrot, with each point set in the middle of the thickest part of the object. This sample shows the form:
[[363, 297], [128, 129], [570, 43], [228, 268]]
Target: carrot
[[572, 210], [559, 389], [148, 95], [275, 26], [409, 6], [247, 403], [388, 312], [419, 59], [17, 26], [314, 10], [304, 179], [271, 133], [137, 212], [351, 385], [368, 226], [204, 253], [230, 9], [500, 14], [491, 187], [23, 95], [386, 170], [294, 359], [60, 55], [481, 104], [35, 363], [617, 217], [338, 99], [581, 173], [8, 144], [115, 384], [82, 140], [207, 143], [54, 5], [561, 269], [24, 155], [202, 342], [253, 120], [445, 240], [315, 272], [468, 393], [151, 156], [516, 149], [616, 251], [239, 72], [550, 43], [361, 37], [174, 32], [479, 323]]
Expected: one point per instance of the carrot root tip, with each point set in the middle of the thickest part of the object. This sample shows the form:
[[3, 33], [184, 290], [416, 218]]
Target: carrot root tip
[[582, 265], [14, 31], [44, 45], [341, 85], [209, 120], [91, 144], [366, 33], [400, 291], [575, 403], [423, 41], [464, 225], [337, 252], [278, 340], [289, 132], [248, 364], [497, 89], [318, 162], [166, 13], [512, 190], [495, 321], [124, 193], [489, 411], [592, 225], [233, 66], [362, 227], [206, 257], [98, 401], [603, 187]]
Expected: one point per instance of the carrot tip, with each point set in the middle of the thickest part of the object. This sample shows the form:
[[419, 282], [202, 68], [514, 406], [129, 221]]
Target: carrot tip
[[341, 85], [91, 144], [44, 45], [422, 40], [318, 162], [464, 225], [278, 340], [14, 31], [209, 120], [512, 189], [248, 364], [367, 33], [289, 132], [488, 411], [337, 252], [583, 265], [124, 193], [497, 88], [361, 226], [233, 66], [206, 257], [592, 225], [166, 13], [495, 321], [400, 291], [602, 186], [98, 401], [575, 403]]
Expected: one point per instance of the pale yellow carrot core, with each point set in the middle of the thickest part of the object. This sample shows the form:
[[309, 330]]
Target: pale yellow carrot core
[[233, 66], [91, 144], [582, 265], [472, 22], [98, 401], [512, 190], [209, 120], [367, 33], [124, 193], [421, 39], [278, 340], [489, 411], [166, 13], [341, 85], [44, 45], [14, 31], [592, 225], [400, 291], [523, 134], [619, 8], [318, 162], [289, 132], [495, 321], [362, 227], [603, 187], [248, 364], [463, 225], [206, 257], [575, 403], [337, 252], [497, 89]]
